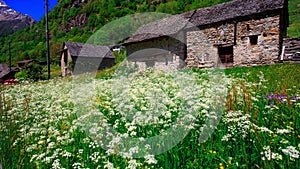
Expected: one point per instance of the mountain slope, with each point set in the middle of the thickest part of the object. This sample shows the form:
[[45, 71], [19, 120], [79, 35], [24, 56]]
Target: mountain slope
[[77, 20], [11, 20]]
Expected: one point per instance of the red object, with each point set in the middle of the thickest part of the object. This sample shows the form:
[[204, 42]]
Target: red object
[[9, 82]]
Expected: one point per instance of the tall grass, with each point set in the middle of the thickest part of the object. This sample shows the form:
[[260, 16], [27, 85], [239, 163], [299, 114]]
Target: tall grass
[[42, 126]]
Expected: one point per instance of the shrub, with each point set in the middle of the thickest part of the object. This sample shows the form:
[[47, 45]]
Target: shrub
[[22, 75]]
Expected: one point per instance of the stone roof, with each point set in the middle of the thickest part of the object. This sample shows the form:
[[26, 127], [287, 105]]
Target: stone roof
[[167, 26], [232, 10], [205, 16], [88, 50], [3, 67], [25, 61], [5, 70]]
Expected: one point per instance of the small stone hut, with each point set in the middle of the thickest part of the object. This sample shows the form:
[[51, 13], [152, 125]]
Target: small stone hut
[[78, 58], [7, 72], [159, 44], [236, 33]]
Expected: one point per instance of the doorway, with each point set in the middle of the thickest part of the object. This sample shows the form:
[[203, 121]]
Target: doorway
[[226, 55]]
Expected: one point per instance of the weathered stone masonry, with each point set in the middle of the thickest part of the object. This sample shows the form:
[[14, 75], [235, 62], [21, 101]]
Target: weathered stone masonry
[[235, 33], [161, 53], [254, 42]]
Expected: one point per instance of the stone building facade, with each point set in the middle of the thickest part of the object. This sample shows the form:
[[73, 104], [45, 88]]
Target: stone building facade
[[236, 33], [158, 54], [149, 47], [78, 58], [242, 43]]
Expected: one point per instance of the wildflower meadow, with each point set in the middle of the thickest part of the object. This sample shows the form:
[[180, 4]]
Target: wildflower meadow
[[237, 118]]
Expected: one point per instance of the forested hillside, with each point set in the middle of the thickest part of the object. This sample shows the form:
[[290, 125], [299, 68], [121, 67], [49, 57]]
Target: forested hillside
[[77, 20]]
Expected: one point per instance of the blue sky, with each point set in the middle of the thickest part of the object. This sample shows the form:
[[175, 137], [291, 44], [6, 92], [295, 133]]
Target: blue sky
[[34, 8]]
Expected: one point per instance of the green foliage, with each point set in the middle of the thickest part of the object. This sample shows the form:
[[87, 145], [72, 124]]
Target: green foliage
[[170, 7], [22, 75], [35, 72], [120, 57], [294, 20]]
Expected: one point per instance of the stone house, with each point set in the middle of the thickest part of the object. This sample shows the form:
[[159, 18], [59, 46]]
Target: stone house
[[7, 72], [235, 33], [158, 44], [78, 58]]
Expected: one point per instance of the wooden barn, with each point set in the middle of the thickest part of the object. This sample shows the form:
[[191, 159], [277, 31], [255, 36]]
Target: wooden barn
[[235, 33], [78, 58]]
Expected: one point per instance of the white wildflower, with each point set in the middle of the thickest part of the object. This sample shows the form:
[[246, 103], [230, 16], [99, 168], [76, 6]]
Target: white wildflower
[[77, 166], [283, 131], [226, 137], [269, 155], [56, 164], [132, 164], [150, 159], [265, 129], [291, 151], [108, 165], [148, 147], [95, 157], [134, 150]]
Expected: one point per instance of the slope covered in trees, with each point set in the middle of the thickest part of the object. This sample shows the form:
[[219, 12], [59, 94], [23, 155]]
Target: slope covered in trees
[[77, 20]]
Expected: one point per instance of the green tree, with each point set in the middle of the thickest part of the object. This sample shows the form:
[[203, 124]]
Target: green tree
[[35, 72]]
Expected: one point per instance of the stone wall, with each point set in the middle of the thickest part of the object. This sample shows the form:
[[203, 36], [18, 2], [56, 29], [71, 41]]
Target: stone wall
[[106, 63], [292, 46], [73, 65], [255, 42], [161, 53], [65, 59], [267, 49]]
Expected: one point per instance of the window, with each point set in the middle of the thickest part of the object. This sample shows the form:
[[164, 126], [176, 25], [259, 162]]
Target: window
[[226, 54], [253, 39]]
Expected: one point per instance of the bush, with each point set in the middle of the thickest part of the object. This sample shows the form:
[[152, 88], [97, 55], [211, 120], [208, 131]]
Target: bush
[[21, 76], [35, 72]]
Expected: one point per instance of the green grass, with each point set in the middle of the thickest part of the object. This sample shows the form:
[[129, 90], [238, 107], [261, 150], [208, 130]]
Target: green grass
[[55, 71], [294, 19], [279, 77], [52, 124]]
